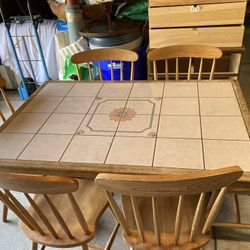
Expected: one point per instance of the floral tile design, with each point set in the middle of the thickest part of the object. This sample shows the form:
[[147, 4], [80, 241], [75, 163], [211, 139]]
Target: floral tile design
[[98, 124], [106, 105], [145, 106], [139, 125]]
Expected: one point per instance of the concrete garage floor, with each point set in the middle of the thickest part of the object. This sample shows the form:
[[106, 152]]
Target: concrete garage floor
[[11, 238]]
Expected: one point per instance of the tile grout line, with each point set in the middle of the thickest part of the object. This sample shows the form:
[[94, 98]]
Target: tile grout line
[[85, 115], [114, 136], [50, 114], [158, 125], [202, 143]]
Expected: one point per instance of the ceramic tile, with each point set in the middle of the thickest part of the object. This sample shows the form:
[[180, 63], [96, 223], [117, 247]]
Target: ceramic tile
[[219, 106], [145, 106], [57, 89], [179, 153], [139, 125], [220, 154], [75, 105], [27, 123], [132, 151], [90, 149], [107, 105], [147, 89], [180, 106], [98, 124], [43, 104], [62, 124], [224, 128], [13, 144], [116, 90], [179, 127], [177, 89], [46, 147], [85, 89], [216, 89]]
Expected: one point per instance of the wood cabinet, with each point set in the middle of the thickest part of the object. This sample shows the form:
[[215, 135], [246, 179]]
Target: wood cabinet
[[218, 23]]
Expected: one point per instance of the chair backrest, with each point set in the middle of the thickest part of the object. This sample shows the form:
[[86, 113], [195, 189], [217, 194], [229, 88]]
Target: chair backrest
[[52, 224], [168, 210], [110, 54], [5, 98], [184, 51]]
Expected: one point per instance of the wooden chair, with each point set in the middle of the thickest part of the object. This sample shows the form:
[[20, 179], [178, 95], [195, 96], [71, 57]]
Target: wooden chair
[[5, 98], [177, 52], [111, 54], [168, 211], [62, 213]]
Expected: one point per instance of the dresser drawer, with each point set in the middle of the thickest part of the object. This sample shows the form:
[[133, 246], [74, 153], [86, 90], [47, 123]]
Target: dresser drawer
[[215, 36], [197, 15], [155, 3]]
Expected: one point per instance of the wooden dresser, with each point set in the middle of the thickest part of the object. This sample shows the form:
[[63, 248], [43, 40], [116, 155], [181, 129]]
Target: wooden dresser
[[218, 23], [211, 22]]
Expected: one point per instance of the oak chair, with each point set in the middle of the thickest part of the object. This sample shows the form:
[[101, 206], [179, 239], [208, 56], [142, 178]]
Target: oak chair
[[111, 54], [178, 52], [168, 211], [241, 187], [63, 211]]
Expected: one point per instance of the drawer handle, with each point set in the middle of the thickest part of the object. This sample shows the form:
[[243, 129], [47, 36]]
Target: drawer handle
[[195, 8]]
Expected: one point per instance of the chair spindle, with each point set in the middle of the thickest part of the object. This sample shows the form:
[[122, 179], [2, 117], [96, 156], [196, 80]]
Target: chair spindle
[[177, 228], [156, 222], [90, 74], [58, 217], [121, 71], [138, 219], [189, 68], [212, 70], [177, 69], [100, 71]]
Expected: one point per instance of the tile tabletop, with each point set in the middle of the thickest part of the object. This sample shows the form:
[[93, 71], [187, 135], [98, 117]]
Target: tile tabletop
[[193, 125]]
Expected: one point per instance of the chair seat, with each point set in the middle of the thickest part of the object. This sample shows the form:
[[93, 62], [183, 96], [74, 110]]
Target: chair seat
[[92, 202]]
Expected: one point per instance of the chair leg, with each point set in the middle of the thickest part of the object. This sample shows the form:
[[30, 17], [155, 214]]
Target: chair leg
[[34, 245], [5, 213], [43, 247], [85, 247]]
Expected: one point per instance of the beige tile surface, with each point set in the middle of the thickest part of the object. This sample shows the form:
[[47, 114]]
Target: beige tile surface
[[140, 125], [43, 104], [85, 89], [179, 153], [13, 144], [98, 124], [115, 90], [132, 150], [27, 123], [107, 105], [145, 106], [179, 127], [46, 147], [57, 89], [177, 89], [216, 89], [219, 106], [90, 149], [73, 105], [62, 124], [220, 154], [224, 128], [180, 106], [147, 89]]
